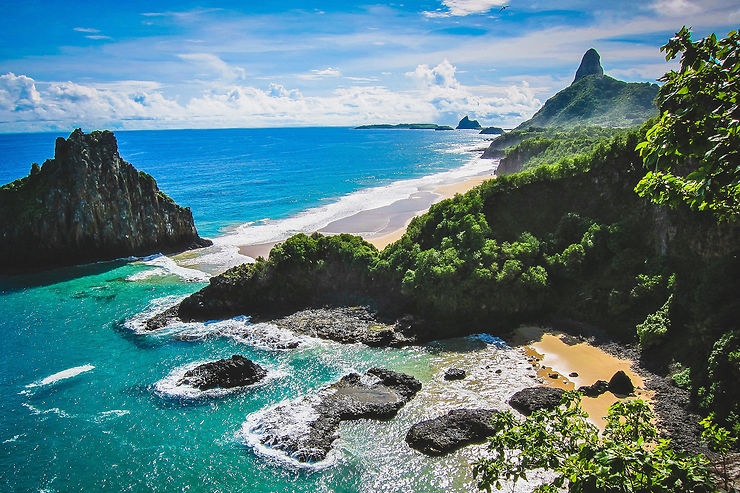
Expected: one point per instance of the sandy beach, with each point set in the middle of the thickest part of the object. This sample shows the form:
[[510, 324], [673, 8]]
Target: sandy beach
[[383, 225]]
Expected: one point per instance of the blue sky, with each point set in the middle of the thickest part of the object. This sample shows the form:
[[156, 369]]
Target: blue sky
[[140, 65]]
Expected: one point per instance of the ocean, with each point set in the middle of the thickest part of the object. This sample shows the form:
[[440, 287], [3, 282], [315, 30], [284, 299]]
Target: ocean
[[88, 399]]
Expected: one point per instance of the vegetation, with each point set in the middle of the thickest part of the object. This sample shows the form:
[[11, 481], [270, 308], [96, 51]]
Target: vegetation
[[597, 100], [628, 458], [551, 145], [693, 150]]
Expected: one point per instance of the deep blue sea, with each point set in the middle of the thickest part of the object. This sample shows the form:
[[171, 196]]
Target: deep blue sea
[[88, 401]]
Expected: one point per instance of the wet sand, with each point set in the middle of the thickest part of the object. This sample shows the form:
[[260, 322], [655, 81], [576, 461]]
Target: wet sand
[[554, 353], [383, 225]]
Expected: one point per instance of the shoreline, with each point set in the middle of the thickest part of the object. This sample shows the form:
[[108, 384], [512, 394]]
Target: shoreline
[[382, 226]]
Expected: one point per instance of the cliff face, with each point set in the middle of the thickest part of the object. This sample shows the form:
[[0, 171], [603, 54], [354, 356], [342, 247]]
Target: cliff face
[[590, 65], [88, 204]]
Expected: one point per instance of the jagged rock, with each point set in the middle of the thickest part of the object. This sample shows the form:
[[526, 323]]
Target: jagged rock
[[349, 398], [532, 399], [467, 123], [455, 374], [590, 65], [620, 383], [88, 204], [237, 371], [595, 389], [455, 430]]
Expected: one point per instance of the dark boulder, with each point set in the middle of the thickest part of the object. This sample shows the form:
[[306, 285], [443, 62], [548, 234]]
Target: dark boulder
[[532, 399], [621, 384], [455, 430], [455, 374], [237, 371], [595, 389]]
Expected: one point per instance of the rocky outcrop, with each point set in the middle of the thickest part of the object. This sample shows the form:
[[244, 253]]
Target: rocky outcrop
[[468, 124], [379, 394], [454, 374], [236, 371], [595, 389], [492, 131], [455, 430], [88, 204], [590, 65], [621, 384], [533, 399]]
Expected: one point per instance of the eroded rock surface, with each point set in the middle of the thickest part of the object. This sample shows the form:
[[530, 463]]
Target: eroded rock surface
[[452, 431], [226, 373], [531, 399]]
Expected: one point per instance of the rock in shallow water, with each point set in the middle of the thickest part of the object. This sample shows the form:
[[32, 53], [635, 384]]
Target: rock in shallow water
[[595, 389], [455, 374], [532, 399], [455, 430], [379, 394], [237, 371]]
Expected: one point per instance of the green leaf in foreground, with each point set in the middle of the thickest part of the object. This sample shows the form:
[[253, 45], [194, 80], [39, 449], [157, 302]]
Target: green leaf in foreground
[[627, 458]]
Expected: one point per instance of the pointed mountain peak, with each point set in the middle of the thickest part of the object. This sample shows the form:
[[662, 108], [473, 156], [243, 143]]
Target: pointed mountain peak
[[590, 65]]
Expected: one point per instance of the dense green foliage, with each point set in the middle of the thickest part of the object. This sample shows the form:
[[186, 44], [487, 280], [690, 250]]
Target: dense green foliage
[[693, 150], [628, 458], [597, 100], [551, 145]]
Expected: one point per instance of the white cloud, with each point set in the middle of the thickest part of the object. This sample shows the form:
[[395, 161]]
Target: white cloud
[[18, 93], [321, 74], [442, 75], [141, 104], [215, 65], [675, 7], [98, 36], [86, 29], [460, 8]]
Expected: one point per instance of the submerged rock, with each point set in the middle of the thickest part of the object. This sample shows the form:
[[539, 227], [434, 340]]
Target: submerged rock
[[88, 204], [455, 374], [620, 383], [455, 430], [236, 371], [532, 399], [379, 394]]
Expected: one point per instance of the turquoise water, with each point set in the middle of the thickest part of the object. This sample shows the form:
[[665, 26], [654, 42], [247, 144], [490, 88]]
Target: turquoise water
[[87, 402]]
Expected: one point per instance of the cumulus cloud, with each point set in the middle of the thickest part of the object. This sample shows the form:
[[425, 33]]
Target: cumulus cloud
[[29, 105], [459, 8]]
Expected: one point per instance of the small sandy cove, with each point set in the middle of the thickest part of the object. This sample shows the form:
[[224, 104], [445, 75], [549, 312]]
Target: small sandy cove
[[555, 356]]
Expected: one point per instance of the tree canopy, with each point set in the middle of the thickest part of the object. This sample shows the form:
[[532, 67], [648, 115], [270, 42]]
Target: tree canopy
[[692, 150]]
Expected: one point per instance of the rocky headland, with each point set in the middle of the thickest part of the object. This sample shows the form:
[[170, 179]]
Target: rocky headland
[[468, 124], [85, 205]]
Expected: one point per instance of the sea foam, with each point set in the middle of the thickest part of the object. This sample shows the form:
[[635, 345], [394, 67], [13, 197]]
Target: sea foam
[[59, 376]]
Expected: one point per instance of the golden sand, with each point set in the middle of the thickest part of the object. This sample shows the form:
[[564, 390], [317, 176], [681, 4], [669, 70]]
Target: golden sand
[[554, 354]]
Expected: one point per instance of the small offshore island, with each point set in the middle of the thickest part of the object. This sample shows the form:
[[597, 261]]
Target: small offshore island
[[589, 283]]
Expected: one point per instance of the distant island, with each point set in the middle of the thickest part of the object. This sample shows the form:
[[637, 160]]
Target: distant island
[[406, 126], [468, 124], [492, 130]]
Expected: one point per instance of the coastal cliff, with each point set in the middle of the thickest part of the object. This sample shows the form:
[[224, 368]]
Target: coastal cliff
[[88, 204]]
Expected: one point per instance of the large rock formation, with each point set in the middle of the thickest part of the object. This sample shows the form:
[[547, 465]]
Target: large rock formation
[[455, 430], [590, 65], [88, 204], [467, 123], [532, 399], [377, 395]]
